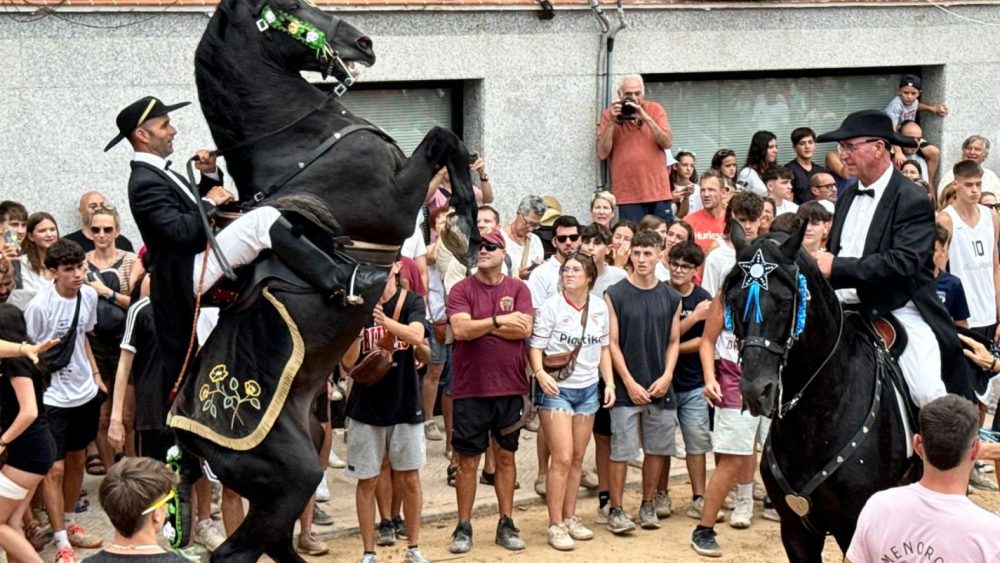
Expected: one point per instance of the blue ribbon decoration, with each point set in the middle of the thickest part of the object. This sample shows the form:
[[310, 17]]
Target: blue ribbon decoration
[[753, 302], [800, 312], [728, 319]]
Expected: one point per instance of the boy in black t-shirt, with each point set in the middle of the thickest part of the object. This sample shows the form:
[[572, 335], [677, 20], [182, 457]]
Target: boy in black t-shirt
[[692, 406], [387, 419]]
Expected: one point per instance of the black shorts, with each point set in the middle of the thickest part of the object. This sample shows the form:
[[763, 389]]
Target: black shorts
[[154, 443], [602, 420], [74, 427], [34, 450], [322, 408], [474, 419]]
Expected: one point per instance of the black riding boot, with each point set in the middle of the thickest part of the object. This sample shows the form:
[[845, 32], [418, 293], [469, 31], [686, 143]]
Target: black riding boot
[[307, 260]]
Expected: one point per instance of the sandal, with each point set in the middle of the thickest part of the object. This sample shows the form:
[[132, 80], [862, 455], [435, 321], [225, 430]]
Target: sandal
[[452, 475], [82, 505], [490, 478], [95, 466]]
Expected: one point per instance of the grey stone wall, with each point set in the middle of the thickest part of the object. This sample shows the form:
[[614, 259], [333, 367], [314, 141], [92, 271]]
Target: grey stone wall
[[530, 99]]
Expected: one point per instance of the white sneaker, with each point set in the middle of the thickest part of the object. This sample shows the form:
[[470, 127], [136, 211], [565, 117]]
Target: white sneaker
[[577, 530], [697, 508], [432, 432], [664, 506], [771, 514], [742, 514], [323, 490], [602, 514], [559, 538], [334, 461], [759, 492], [206, 535], [730, 502], [637, 460]]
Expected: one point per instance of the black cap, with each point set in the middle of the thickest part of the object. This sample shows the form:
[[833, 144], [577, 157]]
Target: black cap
[[137, 113], [867, 123], [911, 80]]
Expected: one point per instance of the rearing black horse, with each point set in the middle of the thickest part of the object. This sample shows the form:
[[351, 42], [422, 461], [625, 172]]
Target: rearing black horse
[[283, 136], [836, 434]]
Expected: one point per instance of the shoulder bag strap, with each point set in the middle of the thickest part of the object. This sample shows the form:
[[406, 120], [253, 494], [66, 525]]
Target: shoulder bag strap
[[399, 305], [526, 249], [583, 333]]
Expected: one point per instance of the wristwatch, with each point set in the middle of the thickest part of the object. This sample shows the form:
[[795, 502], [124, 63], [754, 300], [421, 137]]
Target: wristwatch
[[110, 298], [495, 323]]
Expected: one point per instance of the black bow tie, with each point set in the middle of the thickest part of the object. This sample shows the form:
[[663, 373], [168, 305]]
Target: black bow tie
[[166, 165], [870, 192]]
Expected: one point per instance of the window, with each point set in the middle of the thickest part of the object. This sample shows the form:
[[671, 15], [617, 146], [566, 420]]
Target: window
[[708, 113], [407, 111]]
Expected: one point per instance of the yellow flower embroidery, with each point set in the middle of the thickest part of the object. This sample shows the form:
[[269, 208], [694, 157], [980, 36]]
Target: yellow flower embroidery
[[230, 394], [218, 373]]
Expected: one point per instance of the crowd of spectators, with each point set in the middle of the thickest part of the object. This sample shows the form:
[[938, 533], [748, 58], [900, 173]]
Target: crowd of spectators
[[577, 328]]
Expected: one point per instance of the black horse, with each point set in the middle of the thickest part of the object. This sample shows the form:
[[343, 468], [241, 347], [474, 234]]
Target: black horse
[[836, 434], [289, 144]]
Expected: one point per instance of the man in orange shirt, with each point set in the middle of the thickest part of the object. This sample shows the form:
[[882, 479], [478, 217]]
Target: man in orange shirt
[[632, 136], [710, 221]]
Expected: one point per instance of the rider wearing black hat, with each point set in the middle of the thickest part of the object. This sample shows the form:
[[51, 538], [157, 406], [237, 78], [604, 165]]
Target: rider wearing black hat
[[880, 254], [164, 206]]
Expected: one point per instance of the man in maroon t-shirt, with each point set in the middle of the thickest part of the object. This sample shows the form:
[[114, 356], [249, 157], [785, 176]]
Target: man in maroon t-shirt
[[490, 316]]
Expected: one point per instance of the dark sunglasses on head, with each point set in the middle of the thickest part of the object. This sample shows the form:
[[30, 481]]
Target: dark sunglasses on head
[[490, 247], [564, 238], [992, 205], [99, 230], [724, 153]]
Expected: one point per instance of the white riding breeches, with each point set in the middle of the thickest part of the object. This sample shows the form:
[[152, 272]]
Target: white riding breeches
[[921, 359], [240, 243]]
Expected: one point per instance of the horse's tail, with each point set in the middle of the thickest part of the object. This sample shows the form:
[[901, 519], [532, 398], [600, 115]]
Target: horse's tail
[[185, 463]]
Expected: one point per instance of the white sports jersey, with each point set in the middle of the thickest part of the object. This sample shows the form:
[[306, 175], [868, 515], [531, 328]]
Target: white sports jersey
[[970, 258]]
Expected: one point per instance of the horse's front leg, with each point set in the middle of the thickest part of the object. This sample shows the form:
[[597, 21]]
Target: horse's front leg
[[801, 545]]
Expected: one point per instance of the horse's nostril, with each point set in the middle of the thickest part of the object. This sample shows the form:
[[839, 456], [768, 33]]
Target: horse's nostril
[[365, 43]]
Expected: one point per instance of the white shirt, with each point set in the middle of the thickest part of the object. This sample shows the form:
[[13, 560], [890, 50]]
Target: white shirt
[[557, 330], [544, 281], [785, 207], [49, 315], [970, 258], [414, 247], [827, 204], [515, 250], [611, 276], [718, 263], [158, 162], [856, 225], [661, 272], [753, 181]]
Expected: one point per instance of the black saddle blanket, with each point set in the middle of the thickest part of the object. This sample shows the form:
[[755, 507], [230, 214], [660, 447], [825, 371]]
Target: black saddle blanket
[[241, 377]]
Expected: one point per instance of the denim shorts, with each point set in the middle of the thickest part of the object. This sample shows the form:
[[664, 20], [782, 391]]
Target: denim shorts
[[584, 401], [692, 415]]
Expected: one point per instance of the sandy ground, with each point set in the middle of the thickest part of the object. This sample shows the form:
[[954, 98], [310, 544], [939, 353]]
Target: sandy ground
[[758, 544]]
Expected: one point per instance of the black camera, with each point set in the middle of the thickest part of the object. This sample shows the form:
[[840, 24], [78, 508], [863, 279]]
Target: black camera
[[628, 111]]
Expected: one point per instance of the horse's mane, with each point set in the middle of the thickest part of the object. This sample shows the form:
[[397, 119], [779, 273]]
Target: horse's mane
[[216, 68]]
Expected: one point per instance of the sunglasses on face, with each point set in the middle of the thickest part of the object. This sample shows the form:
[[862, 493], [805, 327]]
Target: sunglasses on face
[[490, 247], [563, 238], [99, 230], [995, 206]]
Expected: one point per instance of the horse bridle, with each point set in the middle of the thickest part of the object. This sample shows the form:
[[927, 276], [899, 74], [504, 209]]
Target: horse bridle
[[783, 349], [312, 37]]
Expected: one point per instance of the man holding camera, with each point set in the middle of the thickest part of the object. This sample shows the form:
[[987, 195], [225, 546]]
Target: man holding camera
[[632, 136]]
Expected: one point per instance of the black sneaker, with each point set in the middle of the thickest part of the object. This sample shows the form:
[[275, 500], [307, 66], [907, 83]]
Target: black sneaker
[[508, 536], [386, 533], [461, 538], [703, 542], [400, 526]]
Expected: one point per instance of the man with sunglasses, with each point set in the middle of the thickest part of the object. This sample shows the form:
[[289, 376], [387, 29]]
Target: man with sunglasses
[[89, 202], [491, 316], [880, 256], [544, 283]]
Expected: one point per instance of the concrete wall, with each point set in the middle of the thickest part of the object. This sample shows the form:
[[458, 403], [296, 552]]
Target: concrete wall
[[530, 98]]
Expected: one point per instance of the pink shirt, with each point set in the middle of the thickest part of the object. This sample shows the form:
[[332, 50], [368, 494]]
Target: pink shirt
[[914, 523]]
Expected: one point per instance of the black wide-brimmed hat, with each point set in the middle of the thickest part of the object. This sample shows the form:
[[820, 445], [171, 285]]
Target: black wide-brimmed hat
[[137, 113], [867, 123]]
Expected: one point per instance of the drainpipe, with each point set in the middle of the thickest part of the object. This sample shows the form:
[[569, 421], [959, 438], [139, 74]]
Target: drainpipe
[[604, 66]]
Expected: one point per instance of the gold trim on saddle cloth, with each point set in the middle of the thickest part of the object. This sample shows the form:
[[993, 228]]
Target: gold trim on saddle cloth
[[277, 402]]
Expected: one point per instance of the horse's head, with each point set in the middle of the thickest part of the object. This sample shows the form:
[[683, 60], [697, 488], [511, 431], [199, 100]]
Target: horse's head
[[765, 297], [303, 37]]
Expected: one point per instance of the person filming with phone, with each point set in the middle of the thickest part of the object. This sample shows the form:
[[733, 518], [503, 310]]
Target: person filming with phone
[[632, 136]]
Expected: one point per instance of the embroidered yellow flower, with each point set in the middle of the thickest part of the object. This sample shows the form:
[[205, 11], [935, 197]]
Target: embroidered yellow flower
[[252, 388], [218, 373], [203, 393]]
